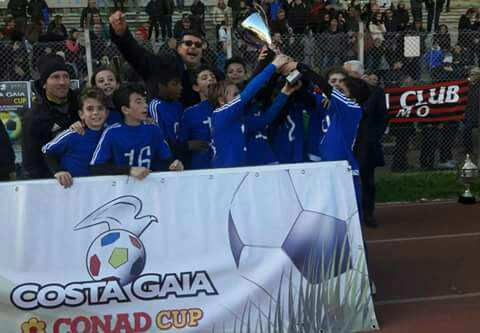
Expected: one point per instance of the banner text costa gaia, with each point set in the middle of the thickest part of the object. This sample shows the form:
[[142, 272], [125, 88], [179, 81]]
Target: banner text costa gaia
[[186, 251]]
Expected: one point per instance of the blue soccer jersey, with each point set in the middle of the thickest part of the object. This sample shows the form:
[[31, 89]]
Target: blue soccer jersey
[[315, 123], [340, 129], [74, 150], [259, 151], [228, 125], [167, 115], [288, 137], [196, 124], [137, 146]]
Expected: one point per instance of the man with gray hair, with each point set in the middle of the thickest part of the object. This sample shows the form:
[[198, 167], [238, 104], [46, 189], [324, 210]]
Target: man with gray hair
[[354, 68], [368, 146]]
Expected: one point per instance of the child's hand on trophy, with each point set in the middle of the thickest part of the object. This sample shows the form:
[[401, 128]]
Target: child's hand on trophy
[[280, 60], [290, 66]]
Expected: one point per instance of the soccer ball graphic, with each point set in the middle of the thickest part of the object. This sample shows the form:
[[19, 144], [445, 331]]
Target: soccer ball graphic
[[13, 124], [116, 255], [308, 242]]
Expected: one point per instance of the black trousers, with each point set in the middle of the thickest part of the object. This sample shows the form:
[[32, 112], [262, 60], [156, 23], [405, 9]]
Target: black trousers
[[367, 180]]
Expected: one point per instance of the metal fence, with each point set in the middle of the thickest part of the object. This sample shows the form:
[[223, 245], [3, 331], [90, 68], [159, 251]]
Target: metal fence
[[402, 59], [398, 59]]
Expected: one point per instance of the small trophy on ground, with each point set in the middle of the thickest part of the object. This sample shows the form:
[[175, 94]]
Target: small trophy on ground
[[254, 31], [467, 174]]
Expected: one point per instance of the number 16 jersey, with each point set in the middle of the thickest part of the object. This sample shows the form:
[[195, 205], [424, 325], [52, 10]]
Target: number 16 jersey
[[137, 146]]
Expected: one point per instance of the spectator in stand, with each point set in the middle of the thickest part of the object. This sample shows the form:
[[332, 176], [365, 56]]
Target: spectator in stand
[[355, 4], [272, 9], [198, 15], [280, 25], [187, 58], [168, 7], [413, 64], [74, 52], [433, 58], [416, 8], [390, 22], [466, 31], [39, 8], [7, 156], [234, 6], [18, 68], [434, 9], [377, 27], [297, 15], [154, 12], [9, 28], [34, 30], [353, 20], [181, 26], [472, 110], [221, 13], [442, 38], [244, 11], [402, 16], [118, 5], [86, 17], [18, 10], [369, 10], [141, 33], [57, 28], [55, 109], [315, 14]]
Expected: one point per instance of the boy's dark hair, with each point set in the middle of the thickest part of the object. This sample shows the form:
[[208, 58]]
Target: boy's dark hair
[[358, 88], [235, 60], [121, 96], [101, 69], [91, 92], [335, 70], [163, 78], [201, 69]]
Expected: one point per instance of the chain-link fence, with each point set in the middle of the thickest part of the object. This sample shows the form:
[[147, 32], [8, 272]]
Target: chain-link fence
[[408, 59]]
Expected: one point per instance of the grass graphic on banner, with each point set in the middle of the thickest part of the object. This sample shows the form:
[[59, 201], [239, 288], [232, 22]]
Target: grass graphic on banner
[[326, 307]]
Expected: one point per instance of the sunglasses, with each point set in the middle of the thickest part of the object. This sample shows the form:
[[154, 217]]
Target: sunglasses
[[190, 43]]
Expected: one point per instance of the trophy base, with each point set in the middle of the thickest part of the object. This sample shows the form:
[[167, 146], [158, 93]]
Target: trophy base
[[466, 200]]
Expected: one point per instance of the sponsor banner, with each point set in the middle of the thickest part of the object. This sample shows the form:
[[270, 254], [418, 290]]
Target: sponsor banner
[[14, 96], [443, 101], [197, 251]]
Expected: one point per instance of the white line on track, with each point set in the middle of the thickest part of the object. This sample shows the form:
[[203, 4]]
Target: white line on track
[[427, 299], [407, 239]]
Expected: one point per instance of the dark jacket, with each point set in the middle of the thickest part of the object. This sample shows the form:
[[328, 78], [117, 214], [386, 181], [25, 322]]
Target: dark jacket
[[40, 125], [87, 13], [18, 8], [368, 146], [35, 8], [150, 66], [297, 17], [7, 156]]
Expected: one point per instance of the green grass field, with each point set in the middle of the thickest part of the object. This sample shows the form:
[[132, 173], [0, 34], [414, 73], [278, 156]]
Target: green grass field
[[416, 186]]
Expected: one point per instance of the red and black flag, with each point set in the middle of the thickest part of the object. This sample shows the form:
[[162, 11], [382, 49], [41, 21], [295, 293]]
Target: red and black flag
[[442, 101]]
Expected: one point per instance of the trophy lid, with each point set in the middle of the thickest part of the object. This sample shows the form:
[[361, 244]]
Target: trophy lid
[[254, 30], [469, 165]]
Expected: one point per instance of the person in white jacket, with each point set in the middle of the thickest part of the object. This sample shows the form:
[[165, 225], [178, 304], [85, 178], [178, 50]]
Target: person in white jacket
[[221, 14]]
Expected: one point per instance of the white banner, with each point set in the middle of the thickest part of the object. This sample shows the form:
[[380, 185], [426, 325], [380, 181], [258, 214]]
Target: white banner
[[202, 251]]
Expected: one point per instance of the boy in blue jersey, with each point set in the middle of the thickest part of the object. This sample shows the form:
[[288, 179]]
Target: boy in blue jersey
[[132, 147], [69, 154], [228, 120], [165, 108], [236, 71], [196, 123], [108, 81]]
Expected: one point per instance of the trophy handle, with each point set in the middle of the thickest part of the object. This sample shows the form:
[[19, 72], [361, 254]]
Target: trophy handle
[[260, 9]]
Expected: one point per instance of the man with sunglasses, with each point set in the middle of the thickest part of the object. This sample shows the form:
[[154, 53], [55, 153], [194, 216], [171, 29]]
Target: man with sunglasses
[[186, 59]]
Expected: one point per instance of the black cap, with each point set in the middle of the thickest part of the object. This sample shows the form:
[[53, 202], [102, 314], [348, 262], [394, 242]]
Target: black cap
[[49, 64]]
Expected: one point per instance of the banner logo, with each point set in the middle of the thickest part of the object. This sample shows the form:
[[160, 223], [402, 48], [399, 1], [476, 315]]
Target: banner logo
[[34, 325], [117, 254]]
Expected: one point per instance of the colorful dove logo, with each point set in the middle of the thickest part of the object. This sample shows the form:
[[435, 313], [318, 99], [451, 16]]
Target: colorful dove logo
[[118, 253]]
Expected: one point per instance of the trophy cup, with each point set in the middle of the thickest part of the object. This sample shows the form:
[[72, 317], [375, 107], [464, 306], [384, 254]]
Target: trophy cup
[[254, 31], [467, 174]]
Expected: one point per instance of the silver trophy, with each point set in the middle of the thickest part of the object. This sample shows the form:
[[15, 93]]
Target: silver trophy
[[467, 174], [254, 30]]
